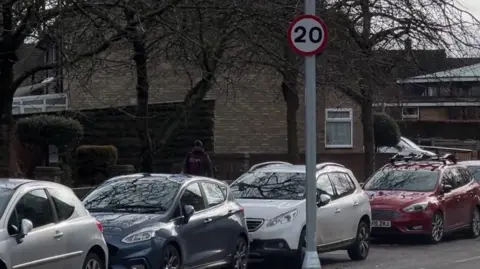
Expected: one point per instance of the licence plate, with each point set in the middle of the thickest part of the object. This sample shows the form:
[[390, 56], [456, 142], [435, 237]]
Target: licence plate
[[381, 223]]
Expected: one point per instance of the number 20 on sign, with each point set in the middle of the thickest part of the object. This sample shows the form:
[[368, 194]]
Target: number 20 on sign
[[307, 35]]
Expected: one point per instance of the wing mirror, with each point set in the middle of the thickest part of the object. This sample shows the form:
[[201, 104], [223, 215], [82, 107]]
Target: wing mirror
[[323, 199], [447, 188], [188, 212], [26, 227]]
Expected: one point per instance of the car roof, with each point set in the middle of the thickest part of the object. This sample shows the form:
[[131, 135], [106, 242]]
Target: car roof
[[297, 168], [179, 178], [471, 162], [13, 183], [424, 165]]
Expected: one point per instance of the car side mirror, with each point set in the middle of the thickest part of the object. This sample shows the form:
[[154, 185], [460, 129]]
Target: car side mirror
[[447, 188], [26, 227], [323, 200], [188, 212], [362, 184]]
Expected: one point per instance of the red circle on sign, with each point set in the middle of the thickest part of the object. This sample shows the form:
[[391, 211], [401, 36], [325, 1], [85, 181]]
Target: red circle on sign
[[323, 41]]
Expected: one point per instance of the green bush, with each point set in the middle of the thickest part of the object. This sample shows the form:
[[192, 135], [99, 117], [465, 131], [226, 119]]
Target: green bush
[[97, 154], [45, 130], [386, 130]]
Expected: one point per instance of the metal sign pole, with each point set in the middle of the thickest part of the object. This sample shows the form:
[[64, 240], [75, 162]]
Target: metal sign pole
[[311, 260]]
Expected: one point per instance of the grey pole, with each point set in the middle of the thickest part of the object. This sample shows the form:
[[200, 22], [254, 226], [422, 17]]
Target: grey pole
[[311, 259]]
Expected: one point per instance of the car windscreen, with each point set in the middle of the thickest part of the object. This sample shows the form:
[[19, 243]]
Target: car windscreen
[[475, 171], [139, 195], [270, 185], [416, 180], [5, 196]]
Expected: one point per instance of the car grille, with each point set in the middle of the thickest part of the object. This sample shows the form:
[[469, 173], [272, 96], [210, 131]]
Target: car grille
[[384, 214], [254, 224], [112, 250]]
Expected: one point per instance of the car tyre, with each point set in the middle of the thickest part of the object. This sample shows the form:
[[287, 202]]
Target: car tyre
[[240, 254], [297, 261], [438, 228], [171, 258], [93, 261], [360, 249], [474, 229]]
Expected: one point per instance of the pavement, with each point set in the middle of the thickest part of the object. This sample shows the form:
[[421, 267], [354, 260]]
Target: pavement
[[455, 252]]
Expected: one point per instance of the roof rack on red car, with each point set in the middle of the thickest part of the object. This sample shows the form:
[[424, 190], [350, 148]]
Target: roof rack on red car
[[445, 159]]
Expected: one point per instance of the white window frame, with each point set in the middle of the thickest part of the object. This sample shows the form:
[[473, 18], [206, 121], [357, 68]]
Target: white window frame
[[335, 120], [415, 116]]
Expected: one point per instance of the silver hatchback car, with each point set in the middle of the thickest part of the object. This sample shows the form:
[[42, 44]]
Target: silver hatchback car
[[43, 225]]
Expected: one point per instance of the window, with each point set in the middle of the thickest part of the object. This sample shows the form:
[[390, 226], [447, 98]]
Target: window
[[35, 207], [410, 113], [448, 178], [338, 128], [475, 171], [403, 178], [193, 196], [213, 193], [64, 203], [464, 177], [270, 186], [343, 184], [324, 186]]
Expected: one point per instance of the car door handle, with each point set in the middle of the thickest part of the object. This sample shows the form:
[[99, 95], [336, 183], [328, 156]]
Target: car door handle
[[338, 210], [58, 235], [207, 220], [355, 203]]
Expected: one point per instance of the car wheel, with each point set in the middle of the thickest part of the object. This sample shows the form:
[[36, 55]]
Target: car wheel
[[240, 254], [297, 261], [92, 261], [360, 249], [474, 230], [171, 258], [438, 227]]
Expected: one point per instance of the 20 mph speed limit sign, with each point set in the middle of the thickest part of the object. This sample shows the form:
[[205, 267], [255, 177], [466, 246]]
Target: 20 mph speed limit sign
[[307, 35]]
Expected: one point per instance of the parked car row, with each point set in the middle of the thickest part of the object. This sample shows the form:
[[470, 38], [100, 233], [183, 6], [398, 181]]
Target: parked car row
[[144, 221]]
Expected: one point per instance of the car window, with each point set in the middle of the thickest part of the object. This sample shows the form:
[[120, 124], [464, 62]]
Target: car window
[[457, 176], [213, 193], [64, 203], [475, 171], [343, 185], [34, 206], [448, 178], [465, 175], [193, 196], [324, 186]]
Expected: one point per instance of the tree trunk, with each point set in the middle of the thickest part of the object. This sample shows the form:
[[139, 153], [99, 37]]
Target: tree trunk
[[6, 119], [140, 58], [290, 96], [368, 137]]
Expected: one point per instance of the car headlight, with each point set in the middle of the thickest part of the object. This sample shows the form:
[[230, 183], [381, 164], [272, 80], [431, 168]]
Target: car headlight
[[416, 207], [284, 218], [139, 236]]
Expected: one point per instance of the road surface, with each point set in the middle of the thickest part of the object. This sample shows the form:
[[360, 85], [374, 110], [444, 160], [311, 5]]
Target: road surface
[[456, 252]]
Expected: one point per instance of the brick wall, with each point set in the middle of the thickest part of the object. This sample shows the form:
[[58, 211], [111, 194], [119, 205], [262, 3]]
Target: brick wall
[[250, 113]]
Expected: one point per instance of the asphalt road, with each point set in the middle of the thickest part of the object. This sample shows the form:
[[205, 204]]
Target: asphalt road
[[455, 252]]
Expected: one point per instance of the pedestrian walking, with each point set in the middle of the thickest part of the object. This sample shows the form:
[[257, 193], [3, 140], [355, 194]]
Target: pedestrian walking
[[197, 162]]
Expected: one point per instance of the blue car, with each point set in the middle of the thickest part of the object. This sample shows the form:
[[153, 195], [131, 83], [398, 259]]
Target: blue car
[[153, 221]]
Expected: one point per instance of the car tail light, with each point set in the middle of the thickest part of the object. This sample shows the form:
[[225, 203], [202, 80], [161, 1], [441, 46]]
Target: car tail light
[[99, 226]]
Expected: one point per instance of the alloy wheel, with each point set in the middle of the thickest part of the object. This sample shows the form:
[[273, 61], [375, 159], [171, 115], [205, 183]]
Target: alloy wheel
[[437, 227], [476, 222], [171, 259], [93, 264], [363, 241], [241, 252]]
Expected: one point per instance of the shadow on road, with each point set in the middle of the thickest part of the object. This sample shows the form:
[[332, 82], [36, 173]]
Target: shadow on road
[[325, 259], [412, 240]]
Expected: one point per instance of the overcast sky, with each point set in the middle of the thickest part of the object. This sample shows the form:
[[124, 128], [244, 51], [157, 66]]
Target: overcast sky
[[472, 6]]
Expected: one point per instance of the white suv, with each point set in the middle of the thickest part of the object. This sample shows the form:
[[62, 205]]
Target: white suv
[[273, 196]]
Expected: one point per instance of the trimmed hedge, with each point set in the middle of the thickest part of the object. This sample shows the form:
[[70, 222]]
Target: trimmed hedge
[[386, 130], [49, 130], [97, 155]]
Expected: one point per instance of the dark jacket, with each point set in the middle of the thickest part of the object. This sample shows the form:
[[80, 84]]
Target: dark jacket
[[197, 162]]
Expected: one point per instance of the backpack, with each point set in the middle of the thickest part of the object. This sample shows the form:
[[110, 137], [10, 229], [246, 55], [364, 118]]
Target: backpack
[[195, 164]]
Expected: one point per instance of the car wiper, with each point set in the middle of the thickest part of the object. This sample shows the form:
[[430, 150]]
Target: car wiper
[[150, 207]]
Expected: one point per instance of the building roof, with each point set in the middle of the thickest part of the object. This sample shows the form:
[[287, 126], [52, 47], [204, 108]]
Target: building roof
[[462, 74]]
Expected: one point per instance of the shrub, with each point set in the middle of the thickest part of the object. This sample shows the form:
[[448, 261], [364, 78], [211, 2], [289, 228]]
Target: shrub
[[97, 155], [386, 130], [44, 130]]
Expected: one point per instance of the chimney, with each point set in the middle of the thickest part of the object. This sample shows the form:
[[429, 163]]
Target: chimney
[[408, 44]]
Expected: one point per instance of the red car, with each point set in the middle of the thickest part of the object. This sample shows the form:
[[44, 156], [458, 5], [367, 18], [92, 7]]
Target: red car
[[423, 195]]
